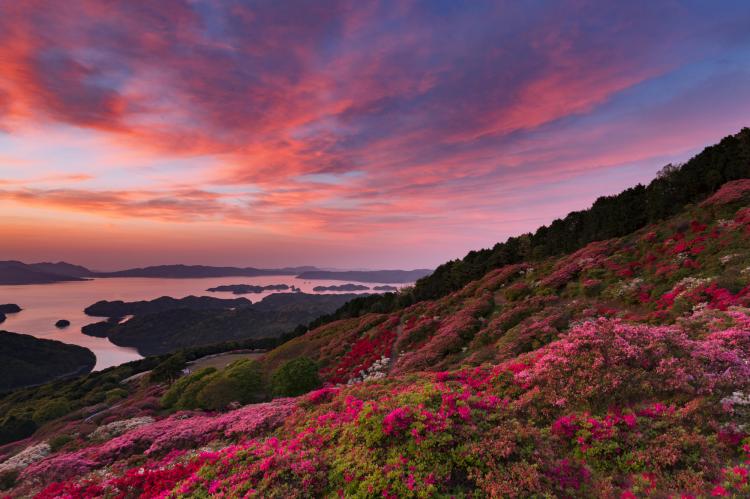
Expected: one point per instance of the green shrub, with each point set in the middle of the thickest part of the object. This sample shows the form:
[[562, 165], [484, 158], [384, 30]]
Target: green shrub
[[115, 394], [177, 391], [59, 441], [169, 370], [296, 377], [95, 397], [51, 409], [248, 378], [189, 397], [681, 306], [732, 281], [592, 287], [8, 479], [241, 381], [15, 428], [517, 291], [218, 393]]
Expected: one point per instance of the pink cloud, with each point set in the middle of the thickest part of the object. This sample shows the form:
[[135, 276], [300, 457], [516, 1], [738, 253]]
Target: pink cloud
[[451, 119]]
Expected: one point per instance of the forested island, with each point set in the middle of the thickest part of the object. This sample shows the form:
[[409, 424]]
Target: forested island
[[342, 287], [243, 289], [119, 308], [166, 325]]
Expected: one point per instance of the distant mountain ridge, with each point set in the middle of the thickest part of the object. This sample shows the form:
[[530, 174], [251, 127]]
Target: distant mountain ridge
[[14, 272], [193, 271], [62, 268]]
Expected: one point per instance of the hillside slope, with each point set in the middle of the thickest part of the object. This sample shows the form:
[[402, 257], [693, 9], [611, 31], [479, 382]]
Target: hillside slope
[[651, 276], [620, 370], [26, 360]]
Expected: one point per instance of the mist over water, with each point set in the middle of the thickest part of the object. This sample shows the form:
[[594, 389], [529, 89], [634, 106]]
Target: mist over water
[[45, 304]]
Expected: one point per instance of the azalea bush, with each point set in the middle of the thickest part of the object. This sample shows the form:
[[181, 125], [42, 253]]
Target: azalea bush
[[363, 353], [296, 377], [453, 333], [177, 432], [730, 192]]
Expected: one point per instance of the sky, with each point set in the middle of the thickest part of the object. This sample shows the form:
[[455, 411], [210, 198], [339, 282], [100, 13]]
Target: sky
[[349, 134]]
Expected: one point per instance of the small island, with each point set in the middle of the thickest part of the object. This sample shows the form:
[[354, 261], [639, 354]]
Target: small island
[[385, 288], [342, 287], [243, 289], [62, 324], [10, 308]]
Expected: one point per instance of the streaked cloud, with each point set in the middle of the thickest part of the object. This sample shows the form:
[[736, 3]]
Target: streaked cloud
[[344, 121]]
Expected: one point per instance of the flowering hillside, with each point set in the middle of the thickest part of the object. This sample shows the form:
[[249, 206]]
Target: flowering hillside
[[620, 370], [654, 276]]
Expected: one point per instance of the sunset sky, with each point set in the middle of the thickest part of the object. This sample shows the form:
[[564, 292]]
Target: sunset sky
[[346, 134]]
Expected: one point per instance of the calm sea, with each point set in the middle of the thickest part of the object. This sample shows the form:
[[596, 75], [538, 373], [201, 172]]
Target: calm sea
[[45, 304]]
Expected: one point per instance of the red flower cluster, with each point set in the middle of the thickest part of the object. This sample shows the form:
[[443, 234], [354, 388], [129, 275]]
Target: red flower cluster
[[363, 354], [729, 192]]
